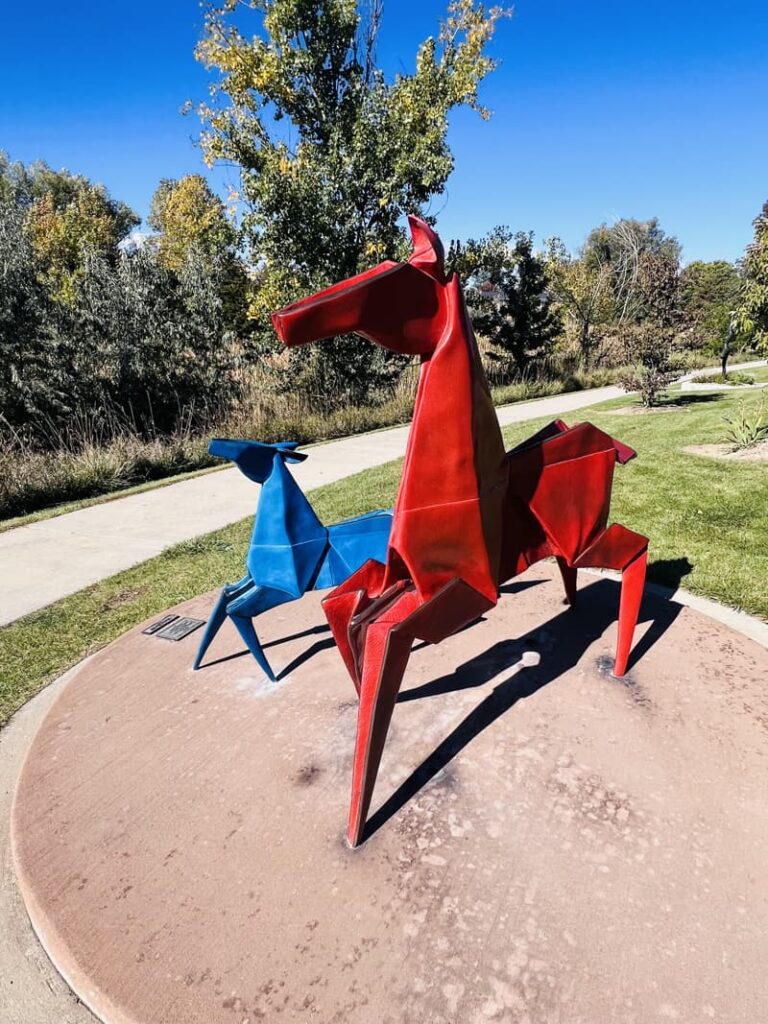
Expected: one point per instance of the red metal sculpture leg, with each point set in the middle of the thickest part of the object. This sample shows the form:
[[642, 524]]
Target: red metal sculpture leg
[[632, 583], [387, 649], [381, 647], [621, 549], [569, 574], [347, 600]]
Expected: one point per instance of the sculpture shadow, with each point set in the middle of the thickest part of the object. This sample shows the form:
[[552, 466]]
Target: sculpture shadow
[[561, 642], [669, 572], [300, 659], [515, 587], [684, 398], [312, 631]]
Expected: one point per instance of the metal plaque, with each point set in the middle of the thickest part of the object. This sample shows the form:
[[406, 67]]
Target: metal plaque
[[180, 628], [160, 624]]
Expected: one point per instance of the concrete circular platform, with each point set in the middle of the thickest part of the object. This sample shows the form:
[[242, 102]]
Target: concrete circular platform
[[549, 845]]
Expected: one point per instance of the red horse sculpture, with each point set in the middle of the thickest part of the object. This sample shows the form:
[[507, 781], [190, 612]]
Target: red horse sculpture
[[468, 514]]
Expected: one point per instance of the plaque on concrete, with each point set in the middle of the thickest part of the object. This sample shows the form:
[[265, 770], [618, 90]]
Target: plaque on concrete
[[155, 627], [180, 628]]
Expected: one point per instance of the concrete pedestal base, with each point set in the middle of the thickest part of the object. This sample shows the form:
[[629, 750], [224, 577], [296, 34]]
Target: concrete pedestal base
[[549, 845]]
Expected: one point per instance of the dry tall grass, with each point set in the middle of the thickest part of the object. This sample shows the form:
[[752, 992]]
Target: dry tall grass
[[102, 452]]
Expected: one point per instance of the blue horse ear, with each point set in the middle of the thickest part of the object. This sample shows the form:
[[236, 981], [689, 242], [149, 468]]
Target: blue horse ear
[[288, 451], [253, 458]]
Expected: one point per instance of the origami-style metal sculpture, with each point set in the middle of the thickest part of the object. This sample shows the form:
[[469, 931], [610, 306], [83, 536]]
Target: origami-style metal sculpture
[[468, 515], [290, 551]]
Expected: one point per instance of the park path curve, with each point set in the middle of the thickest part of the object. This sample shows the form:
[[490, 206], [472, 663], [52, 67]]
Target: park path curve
[[50, 559]]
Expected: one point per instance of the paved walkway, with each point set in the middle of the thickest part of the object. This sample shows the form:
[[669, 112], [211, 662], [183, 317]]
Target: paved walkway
[[48, 560]]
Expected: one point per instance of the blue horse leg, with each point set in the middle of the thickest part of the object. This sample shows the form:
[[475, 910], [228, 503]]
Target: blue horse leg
[[244, 626], [219, 613]]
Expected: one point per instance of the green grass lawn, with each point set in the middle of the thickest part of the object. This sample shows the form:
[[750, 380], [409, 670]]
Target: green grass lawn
[[707, 521]]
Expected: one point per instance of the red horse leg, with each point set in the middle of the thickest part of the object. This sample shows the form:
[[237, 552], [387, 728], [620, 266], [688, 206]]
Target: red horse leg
[[345, 601], [385, 644], [387, 650], [569, 574], [632, 583], [621, 549]]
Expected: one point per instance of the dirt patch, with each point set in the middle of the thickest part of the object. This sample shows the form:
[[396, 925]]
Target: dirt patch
[[640, 410], [123, 597], [757, 453]]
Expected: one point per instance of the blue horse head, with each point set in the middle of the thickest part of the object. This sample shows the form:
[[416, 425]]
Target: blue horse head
[[254, 458]]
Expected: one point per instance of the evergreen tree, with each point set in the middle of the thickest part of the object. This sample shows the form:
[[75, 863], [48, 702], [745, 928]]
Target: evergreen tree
[[507, 290]]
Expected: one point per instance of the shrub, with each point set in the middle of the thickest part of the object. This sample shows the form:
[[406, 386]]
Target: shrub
[[649, 351], [95, 454]]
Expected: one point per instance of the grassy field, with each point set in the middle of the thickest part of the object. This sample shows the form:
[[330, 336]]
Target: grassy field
[[707, 520]]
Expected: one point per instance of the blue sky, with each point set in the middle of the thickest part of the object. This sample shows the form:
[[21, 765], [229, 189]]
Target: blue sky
[[601, 109]]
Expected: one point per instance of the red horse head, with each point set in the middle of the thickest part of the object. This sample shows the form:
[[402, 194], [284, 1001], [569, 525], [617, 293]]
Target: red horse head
[[413, 308], [371, 304]]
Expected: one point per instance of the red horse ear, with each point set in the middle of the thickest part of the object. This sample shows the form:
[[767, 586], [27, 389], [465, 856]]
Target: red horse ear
[[428, 253]]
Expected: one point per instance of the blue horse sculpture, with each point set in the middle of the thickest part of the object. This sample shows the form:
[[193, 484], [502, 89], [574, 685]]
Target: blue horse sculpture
[[291, 551]]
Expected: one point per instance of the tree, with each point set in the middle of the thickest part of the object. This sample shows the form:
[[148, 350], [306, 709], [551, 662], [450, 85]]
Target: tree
[[331, 154], [649, 343], [34, 381], [508, 296], [193, 225], [159, 338], [601, 289], [85, 325], [618, 250], [709, 294], [189, 216], [69, 218], [752, 312], [583, 290]]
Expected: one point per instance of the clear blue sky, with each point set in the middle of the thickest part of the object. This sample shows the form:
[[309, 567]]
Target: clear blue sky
[[601, 109]]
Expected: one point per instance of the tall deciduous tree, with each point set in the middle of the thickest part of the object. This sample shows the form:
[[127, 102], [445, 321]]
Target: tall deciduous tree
[[69, 219], [752, 312], [33, 375], [193, 225], [583, 291], [619, 251], [190, 217], [160, 335], [602, 289], [649, 341], [331, 153]]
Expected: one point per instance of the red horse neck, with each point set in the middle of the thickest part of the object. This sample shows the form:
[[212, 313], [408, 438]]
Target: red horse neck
[[447, 519]]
